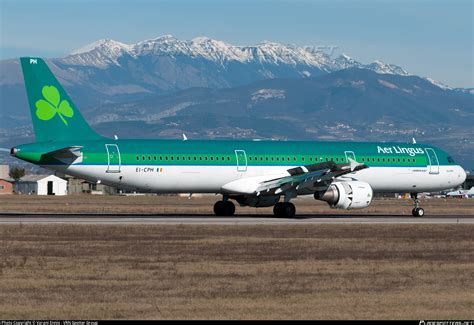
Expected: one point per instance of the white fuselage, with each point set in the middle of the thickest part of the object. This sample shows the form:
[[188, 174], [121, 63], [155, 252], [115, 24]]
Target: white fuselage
[[211, 179]]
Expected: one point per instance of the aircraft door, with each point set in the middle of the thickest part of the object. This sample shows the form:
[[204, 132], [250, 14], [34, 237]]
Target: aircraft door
[[113, 158], [241, 157], [350, 154], [432, 161]]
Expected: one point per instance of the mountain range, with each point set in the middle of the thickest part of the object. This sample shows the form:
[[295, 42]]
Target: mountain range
[[211, 89], [108, 71]]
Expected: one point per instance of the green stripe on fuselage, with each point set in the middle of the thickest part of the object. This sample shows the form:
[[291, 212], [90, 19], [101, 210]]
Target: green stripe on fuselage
[[222, 152]]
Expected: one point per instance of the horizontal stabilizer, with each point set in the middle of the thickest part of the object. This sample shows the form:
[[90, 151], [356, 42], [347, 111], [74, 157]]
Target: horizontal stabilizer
[[67, 155]]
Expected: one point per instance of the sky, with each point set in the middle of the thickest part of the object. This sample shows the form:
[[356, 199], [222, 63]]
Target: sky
[[427, 38]]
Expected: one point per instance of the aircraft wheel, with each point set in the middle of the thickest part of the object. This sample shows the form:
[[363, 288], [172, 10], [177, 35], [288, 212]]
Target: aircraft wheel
[[277, 210], [229, 208], [284, 210], [224, 208], [418, 212]]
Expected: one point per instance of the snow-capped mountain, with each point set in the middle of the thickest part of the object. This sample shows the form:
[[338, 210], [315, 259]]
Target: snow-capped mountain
[[386, 68], [101, 53], [108, 71], [107, 52]]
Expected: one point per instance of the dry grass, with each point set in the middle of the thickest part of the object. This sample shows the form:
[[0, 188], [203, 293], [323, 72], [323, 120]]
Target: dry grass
[[257, 272], [203, 205]]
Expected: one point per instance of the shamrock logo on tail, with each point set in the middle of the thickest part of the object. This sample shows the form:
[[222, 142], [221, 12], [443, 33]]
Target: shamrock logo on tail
[[51, 105]]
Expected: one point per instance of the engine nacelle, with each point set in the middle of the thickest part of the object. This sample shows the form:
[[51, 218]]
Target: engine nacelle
[[347, 195]]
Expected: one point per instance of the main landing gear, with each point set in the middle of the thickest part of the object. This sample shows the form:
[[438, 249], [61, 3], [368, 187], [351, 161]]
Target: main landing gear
[[284, 210], [417, 211], [280, 210], [224, 208]]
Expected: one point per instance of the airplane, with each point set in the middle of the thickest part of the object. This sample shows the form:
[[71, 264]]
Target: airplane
[[251, 173], [461, 193]]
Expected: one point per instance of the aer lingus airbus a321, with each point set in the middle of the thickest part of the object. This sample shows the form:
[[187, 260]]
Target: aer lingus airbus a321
[[252, 173]]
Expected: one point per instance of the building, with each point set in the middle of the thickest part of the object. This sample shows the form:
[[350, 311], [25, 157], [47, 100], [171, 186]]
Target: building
[[41, 185], [6, 186], [4, 172], [81, 186]]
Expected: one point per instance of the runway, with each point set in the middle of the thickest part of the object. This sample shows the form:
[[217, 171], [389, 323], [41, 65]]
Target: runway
[[108, 219]]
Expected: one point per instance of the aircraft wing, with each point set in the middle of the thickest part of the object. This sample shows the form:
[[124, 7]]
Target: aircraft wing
[[310, 176], [295, 180]]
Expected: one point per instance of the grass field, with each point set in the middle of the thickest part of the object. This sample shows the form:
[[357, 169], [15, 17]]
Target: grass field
[[153, 205], [238, 272]]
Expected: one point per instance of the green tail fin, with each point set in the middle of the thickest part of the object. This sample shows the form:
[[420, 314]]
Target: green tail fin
[[55, 117]]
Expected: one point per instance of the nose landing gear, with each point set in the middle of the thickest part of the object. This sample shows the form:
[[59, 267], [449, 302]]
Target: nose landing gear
[[417, 211]]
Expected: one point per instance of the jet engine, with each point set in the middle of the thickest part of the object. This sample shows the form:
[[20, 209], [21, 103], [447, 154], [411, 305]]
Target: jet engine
[[346, 195]]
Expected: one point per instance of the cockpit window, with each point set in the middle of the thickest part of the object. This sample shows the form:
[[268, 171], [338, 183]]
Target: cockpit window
[[450, 160]]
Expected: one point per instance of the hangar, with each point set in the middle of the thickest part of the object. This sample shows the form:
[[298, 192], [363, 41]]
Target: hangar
[[41, 185]]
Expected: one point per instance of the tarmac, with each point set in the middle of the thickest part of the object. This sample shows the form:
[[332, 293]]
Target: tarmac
[[175, 219]]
